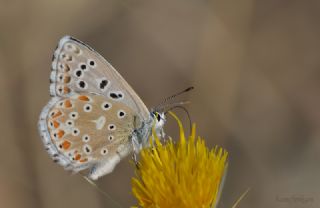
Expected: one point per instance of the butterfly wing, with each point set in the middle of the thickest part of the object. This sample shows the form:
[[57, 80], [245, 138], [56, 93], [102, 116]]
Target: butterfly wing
[[79, 138], [76, 67], [87, 130]]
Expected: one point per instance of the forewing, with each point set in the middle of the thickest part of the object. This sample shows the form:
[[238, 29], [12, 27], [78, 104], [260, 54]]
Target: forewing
[[78, 68]]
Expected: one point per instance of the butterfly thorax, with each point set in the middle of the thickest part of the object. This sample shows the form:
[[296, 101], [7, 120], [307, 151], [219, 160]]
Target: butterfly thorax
[[142, 134]]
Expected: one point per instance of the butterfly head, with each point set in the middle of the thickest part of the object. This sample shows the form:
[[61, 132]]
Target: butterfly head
[[159, 119]]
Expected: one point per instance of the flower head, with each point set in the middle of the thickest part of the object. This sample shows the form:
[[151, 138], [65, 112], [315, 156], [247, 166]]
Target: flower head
[[181, 174]]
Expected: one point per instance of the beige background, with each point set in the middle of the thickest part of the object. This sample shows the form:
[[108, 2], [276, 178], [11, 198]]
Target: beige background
[[255, 65]]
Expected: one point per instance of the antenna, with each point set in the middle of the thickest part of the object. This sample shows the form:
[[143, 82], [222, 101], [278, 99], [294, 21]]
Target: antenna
[[173, 96]]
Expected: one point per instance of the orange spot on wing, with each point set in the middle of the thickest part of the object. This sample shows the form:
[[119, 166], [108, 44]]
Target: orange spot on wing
[[64, 67], [63, 119], [57, 114], [56, 124], [60, 133], [67, 104], [67, 79], [66, 90], [66, 144], [83, 98], [77, 157], [84, 160]]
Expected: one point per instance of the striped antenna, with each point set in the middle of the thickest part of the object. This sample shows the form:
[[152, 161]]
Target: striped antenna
[[171, 97]]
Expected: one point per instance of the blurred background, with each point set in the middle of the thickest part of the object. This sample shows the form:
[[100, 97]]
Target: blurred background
[[255, 65]]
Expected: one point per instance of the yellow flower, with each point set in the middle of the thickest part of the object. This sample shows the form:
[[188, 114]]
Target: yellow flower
[[182, 174]]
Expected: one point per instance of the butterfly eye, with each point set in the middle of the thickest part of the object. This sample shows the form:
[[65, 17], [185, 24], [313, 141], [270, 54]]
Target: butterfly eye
[[121, 114], [75, 132], [111, 127], [87, 149], [73, 115], [104, 151], [86, 138], [87, 108], [106, 106], [91, 63]]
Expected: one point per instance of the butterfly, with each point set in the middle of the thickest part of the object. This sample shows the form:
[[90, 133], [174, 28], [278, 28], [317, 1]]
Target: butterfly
[[94, 118]]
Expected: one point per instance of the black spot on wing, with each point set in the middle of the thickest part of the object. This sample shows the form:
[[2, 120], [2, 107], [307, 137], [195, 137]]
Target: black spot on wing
[[103, 84], [116, 95]]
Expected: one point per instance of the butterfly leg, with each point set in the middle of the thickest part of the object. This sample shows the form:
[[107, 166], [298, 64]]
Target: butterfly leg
[[134, 158]]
